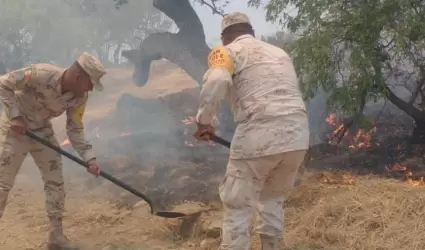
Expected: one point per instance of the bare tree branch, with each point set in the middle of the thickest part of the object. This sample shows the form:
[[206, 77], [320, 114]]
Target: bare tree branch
[[212, 5]]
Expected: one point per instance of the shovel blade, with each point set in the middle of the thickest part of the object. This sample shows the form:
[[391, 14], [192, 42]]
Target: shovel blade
[[170, 214]]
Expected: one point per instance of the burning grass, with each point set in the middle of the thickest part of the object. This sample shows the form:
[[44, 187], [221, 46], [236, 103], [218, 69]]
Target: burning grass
[[341, 132]]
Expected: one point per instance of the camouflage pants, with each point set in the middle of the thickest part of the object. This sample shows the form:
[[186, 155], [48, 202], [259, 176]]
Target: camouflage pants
[[256, 185], [13, 150]]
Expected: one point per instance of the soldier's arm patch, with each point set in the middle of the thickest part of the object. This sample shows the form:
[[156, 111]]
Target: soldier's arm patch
[[219, 57], [76, 114]]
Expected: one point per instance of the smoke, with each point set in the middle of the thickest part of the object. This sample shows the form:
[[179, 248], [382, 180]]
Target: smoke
[[159, 155], [57, 32]]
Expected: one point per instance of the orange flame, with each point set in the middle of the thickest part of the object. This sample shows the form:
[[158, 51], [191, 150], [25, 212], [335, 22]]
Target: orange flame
[[362, 138], [408, 178], [331, 119]]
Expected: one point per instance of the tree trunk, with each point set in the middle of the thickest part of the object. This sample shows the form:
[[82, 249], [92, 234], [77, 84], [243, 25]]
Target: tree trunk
[[187, 48], [418, 135], [416, 114]]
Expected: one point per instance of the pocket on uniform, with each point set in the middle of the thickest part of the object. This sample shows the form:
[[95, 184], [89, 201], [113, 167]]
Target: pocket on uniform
[[236, 192], [7, 150]]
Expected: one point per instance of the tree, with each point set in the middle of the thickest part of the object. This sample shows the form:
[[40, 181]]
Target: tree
[[358, 52], [186, 48], [113, 31]]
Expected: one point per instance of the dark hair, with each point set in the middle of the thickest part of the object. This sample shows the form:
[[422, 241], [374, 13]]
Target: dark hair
[[238, 28]]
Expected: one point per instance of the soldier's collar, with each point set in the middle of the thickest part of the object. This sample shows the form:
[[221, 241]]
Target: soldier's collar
[[59, 83]]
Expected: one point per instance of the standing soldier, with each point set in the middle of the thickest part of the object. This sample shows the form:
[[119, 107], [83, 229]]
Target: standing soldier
[[272, 133], [31, 97]]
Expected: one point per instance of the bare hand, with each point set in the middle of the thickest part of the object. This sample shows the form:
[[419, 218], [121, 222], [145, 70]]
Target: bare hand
[[204, 132], [94, 168], [18, 125]]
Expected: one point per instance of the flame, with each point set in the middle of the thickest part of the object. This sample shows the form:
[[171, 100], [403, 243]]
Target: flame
[[189, 120], [408, 178], [362, 138], [331, 119]]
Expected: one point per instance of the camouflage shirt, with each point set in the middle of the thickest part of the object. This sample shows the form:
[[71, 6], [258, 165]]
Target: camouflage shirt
[[35, 93], [260, 82]]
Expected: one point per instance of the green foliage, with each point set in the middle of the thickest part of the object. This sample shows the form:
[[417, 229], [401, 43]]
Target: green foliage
[[341, 45]]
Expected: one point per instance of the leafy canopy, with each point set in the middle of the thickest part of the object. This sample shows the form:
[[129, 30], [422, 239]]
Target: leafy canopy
[[352, 49]]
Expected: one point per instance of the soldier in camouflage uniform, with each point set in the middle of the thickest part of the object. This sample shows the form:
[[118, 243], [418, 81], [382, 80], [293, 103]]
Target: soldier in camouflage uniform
[[32, 96], [272, 133]]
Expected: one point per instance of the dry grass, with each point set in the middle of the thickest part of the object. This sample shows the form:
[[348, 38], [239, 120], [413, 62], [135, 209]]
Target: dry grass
[[91, 221], [374, 214]]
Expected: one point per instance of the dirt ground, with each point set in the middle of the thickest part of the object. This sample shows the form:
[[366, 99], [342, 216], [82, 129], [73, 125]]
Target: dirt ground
[[370, 213]]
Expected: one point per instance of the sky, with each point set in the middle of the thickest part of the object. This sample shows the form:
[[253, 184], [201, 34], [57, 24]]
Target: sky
[[212, 22]]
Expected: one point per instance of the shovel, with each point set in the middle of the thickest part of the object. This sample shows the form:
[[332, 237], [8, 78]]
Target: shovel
[[109, 177], [220, 141]]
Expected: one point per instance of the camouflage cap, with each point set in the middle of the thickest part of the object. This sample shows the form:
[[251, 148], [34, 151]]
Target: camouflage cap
[[234, 18], [93, 67]]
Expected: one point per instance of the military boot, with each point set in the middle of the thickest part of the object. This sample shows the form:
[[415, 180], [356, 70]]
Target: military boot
[[57, 240], [269, 242]]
